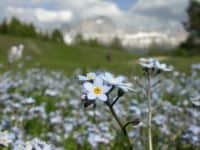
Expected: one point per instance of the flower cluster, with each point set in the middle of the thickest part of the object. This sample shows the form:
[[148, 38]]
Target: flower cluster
[[26, 102], [98, 86], [195, 66], [6, 139], [34, 144], [151, 64], [9, 140]]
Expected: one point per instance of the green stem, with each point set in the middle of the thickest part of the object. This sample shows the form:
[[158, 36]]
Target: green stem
[[120, 124], [149, 113]]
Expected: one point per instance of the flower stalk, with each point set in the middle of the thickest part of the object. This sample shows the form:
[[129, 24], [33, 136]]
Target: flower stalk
[[148, 92], [123, 129], [152, 68]]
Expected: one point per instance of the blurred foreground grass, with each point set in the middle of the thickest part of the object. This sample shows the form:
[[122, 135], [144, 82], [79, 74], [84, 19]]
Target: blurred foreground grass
[[57, 56]]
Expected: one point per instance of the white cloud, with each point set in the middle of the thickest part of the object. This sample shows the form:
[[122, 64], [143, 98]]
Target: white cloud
[[52, 16], [42, 15], [159, 15], [143, 15], [162, 9], [60, 9], [103, 9]]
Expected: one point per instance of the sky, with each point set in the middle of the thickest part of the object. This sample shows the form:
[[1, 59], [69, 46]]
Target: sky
[[124, 4], [145, 15]]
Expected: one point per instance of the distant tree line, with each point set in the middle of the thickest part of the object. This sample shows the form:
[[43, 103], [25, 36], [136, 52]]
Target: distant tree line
[[115, 43], [17, 28]]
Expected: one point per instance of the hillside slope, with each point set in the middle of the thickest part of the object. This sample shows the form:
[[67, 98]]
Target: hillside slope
[[47, 54], [56, 56]]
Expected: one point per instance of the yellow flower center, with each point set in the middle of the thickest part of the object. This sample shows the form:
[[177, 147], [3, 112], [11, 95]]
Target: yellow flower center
[[97, 90]]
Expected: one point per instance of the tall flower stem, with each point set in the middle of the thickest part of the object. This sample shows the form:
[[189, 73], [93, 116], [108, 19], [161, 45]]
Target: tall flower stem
[[149, 94], [110, 106]]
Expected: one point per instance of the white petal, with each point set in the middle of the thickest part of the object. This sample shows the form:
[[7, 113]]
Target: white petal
[[106, 89], [91, 74], [82, 78], [126, 87], [108, 75], [88, 86], [128, 84], [103, 97], [120, 79], [170, 68], [98, 81], [142, 59], [100, 76], [147, 65], [91, 96]]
